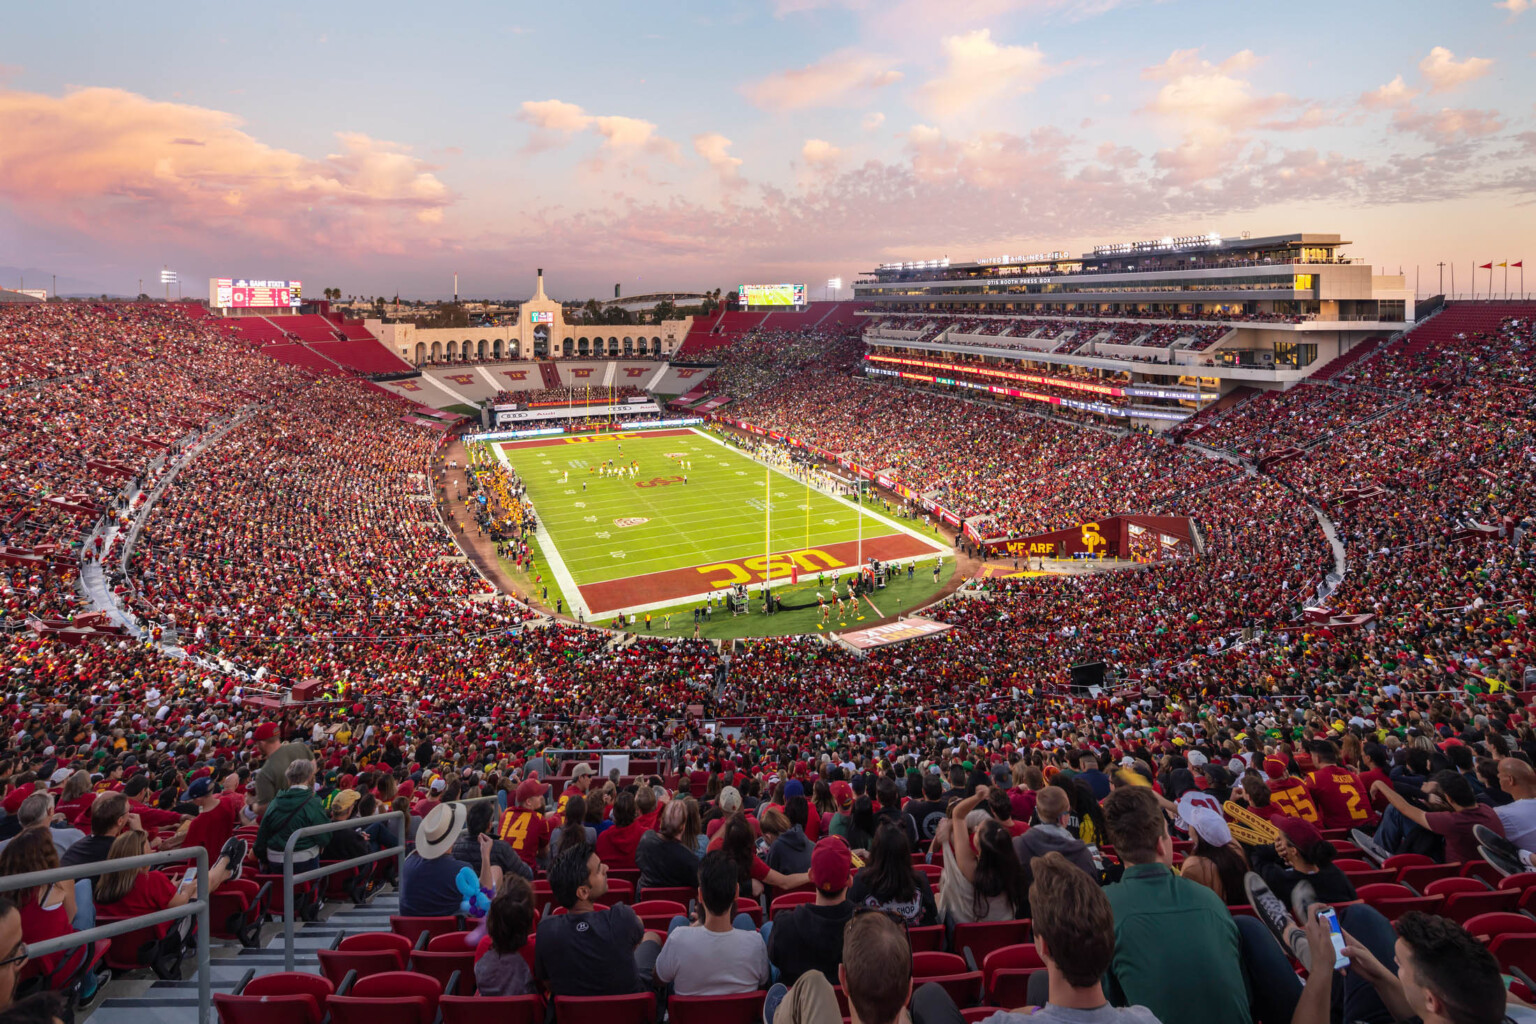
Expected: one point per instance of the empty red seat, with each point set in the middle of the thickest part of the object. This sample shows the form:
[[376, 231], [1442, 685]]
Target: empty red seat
[[492, 1009], [925, 938], [412, 927], [619, 890], [292, 997], [656, 915], [1007, 972], [1524, 880], [1462, 906], [367, 953], [1420, 875], [636, 1008], [1393, 899], [237, 909], [975, 941], [442, 964], [395, 997], [741, 1008], [677, 893]]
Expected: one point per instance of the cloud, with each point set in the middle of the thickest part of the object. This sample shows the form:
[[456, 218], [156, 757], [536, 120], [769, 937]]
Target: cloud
[[838, 79], [978, 70], [114, 161], [1218, 110], [1449, 126], [1389, 97], [554, 116], [819, 153], [1515, 7], [715, 149], [556, 121], [1443, 72], [872, 121]]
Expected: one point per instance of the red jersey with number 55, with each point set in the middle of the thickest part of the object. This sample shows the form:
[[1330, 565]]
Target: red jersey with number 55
[[1289, 794], [1341, 797]]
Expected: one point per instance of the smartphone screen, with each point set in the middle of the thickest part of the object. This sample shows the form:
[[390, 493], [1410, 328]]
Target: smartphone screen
[[189, 877], [1340, 960]]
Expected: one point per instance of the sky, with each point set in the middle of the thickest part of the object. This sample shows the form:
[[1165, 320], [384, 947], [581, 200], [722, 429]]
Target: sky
[[380, 148]]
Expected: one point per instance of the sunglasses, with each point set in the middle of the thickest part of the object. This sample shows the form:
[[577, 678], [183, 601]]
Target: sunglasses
[[18, 955]]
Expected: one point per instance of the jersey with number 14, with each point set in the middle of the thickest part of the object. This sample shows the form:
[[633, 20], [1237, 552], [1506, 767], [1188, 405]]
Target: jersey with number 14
[[524, 831], [1341, 797]]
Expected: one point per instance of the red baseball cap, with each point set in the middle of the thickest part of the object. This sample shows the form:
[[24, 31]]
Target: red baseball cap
[[831, 865], [842, 794], [1274, 767], [265, 731], [528, 789], [1302, 835]]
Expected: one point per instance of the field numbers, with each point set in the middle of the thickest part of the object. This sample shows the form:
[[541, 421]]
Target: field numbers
[[602, 535], [581, 504], [570, 490], [617, 554]]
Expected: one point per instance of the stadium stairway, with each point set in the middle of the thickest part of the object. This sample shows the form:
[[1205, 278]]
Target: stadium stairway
[[1339, 364], [550, 375], [139, 999]]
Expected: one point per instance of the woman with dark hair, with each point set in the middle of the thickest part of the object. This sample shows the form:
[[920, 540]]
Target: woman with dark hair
[[1090, 818], [1217, 861], [857, 829], [1301, 854], [574, 831], [986, 883], [890, 882], [821, 798], [740, 845]]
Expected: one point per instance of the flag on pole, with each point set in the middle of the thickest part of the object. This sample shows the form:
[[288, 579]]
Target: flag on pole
[[1504, 264], [1485, 266], [1518, 263]]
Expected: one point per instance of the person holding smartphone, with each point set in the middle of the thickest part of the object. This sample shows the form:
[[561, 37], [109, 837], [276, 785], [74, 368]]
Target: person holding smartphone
[[143, 890]]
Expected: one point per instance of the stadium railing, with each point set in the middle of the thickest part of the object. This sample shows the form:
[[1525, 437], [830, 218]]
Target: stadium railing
[[291, 879], [196, 907]]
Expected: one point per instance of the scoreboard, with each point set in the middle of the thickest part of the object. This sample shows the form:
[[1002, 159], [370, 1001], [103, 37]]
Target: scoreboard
[[777, 296], [243, 293]]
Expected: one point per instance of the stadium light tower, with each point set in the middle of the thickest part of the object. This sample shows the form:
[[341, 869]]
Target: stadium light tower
[[168, 278], [834, 285]]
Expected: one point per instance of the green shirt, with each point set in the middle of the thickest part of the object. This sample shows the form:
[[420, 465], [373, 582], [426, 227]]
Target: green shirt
[[1176, 949]]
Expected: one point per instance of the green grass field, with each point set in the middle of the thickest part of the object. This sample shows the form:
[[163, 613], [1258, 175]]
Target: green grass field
[[611, 529]]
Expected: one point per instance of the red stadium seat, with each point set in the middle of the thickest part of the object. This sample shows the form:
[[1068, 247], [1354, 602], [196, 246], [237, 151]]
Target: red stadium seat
[[926, 938], [492, 1009], [1393, 899], [395, 997], [976, 940], [789, 901], [284, 998], [639, 1008], [656, 915], [412, 927], [743, 1008], [1008, 970], [1420, 875]]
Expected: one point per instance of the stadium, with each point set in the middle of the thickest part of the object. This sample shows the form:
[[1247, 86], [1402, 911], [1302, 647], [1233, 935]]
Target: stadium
[[1135, 632]]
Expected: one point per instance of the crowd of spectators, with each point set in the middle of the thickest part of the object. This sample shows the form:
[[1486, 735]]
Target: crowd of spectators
[[305, 544]]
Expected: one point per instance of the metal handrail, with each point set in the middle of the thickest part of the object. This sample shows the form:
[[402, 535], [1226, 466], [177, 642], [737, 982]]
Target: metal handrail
[[194, 907], [290, 879]]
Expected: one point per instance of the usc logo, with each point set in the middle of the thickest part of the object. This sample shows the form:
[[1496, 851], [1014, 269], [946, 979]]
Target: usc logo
[[1092, 538]]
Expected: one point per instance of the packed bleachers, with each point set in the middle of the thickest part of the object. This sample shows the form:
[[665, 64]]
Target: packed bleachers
[[306, 544]]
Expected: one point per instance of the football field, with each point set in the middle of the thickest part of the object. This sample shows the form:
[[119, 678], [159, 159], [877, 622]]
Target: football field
[[696, 517]]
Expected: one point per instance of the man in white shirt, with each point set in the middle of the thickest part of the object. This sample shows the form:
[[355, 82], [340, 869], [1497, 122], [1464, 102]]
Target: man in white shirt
[[1518, 779], [712, 957]]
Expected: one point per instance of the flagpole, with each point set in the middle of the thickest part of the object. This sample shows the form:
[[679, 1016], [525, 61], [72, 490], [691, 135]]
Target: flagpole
[[767, 524]]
